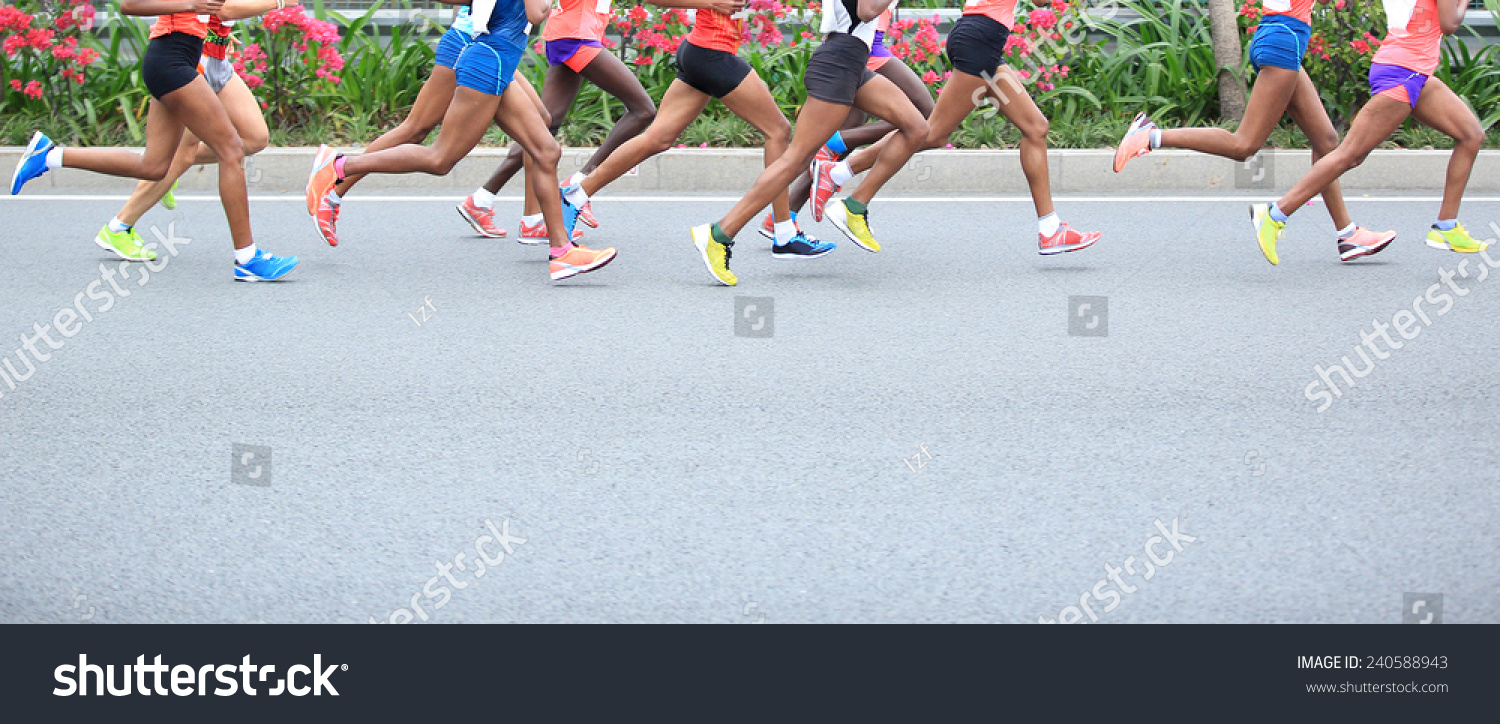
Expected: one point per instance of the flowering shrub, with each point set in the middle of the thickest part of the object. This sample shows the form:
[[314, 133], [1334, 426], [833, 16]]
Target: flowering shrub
[[291, 60], [40, 56]]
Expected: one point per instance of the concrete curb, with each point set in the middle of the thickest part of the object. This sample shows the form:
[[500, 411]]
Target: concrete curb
[[968, 171]]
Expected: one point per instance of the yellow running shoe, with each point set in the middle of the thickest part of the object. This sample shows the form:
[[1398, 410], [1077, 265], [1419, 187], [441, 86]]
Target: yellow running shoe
[[1455, 239], [855, 226], [169, 199], [125, 244], [1267, 230], [715, 255]]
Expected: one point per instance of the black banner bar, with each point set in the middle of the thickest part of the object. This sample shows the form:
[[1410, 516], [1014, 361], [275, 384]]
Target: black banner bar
[[387, 673]]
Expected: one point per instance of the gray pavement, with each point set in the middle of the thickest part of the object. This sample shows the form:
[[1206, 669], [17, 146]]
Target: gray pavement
[[921, 439]]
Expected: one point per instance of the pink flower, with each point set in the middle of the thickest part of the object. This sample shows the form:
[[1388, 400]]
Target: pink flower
[[33, 89], [15, 83]]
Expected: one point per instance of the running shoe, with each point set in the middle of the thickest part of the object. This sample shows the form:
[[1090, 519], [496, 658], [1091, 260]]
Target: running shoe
[[1364, 243], [33, 162], [169, 199], [482, 219], [1066, 239], [824, 188], [1455, 239], [579, 260], [768, 227], [802, 246], [1267, 230], [585, 214], [328, 221], [1137, 141], [715, 255], [264, 267], [126, 244], [570, 216], [533, 234], [855, 226], [826, 154], [322, 179]]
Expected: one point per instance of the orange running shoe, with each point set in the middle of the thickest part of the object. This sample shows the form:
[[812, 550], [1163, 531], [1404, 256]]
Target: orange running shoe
[[1364, 243], [534, 234], [1137, 141], [579, 260], [768, 229], [482, 219], [586, 215], [328, 220], [826, 154], [322, 179], [824, 188], [1066, 239]]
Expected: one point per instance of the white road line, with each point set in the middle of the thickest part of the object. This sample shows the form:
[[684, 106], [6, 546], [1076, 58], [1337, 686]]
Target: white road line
[[733, 199]]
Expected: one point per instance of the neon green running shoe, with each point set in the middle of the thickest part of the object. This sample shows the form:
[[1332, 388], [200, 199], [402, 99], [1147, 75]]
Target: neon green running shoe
[[1267, 230], [1455, 239], [169, 199], [125, 244], [715, 255], [855, 226]]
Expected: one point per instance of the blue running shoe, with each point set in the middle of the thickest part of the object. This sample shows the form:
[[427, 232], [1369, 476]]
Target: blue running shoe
[[264, 267], [802, 246], [570, 214], [33, 163]]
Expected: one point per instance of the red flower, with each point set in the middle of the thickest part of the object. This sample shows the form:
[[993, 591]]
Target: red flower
[[33, 89]]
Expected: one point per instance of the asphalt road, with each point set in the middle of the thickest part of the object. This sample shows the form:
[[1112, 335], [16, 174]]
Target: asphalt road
[[920, 439]]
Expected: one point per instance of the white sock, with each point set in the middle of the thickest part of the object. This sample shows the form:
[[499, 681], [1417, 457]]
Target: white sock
[[576, 196], [243, 256], [1347, 231], [532, 220], [1049, 224], [116, 226], [577, 178], [785, 230], [1155, 136], [54, 158], [483, 198], [841, 173], [333, 198]]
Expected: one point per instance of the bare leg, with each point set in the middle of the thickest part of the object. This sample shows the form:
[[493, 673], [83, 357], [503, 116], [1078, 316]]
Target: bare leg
[[612, 77], [1306, 110], [681, 104], [1269, 99], [1372, 125], [559, 91], [752, 101], [817, 121], [521, 121], [428, 110], [1441, 109], [248, 122], [195, 106], [464, 124], [882, 99]]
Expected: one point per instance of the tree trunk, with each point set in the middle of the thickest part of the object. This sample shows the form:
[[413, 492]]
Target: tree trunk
[[1225, 29]]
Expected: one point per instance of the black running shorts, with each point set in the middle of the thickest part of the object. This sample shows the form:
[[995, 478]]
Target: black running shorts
[[171, 62], [837, 69], [977, 45], [711, 72]]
